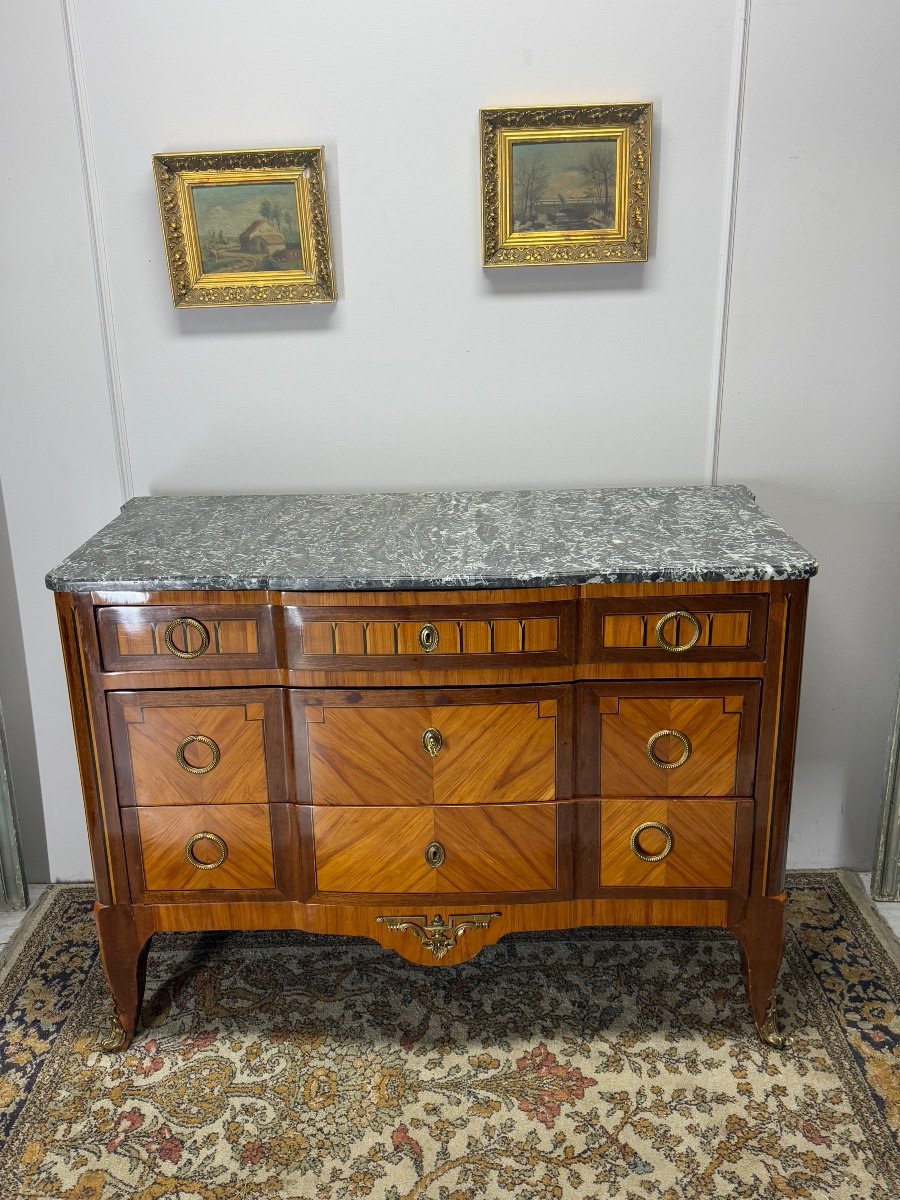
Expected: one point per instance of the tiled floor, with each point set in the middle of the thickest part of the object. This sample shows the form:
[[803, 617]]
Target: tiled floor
[[890, 912], [10, 922]]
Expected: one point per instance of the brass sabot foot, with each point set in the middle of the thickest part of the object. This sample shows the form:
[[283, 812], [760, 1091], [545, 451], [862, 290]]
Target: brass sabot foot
[[114, 1040], [770, 1033]]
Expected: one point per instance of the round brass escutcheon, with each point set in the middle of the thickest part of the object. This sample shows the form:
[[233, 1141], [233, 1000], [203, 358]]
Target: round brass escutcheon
[[429, 638], [432, 741], [186, 624], [435, 854], [679, 762], [678, 615], [205, 836], [642, 854], [203, 741]]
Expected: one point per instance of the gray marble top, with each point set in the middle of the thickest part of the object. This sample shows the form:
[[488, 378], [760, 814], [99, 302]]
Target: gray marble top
[[434, 540]]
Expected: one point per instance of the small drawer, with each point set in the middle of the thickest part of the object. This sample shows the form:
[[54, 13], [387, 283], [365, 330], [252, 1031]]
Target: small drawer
[[213, 848], [439, 637], [417, 747], [667, 844], [209, 637], [198, 746], [438, 852], [712, 628], [667, 739]]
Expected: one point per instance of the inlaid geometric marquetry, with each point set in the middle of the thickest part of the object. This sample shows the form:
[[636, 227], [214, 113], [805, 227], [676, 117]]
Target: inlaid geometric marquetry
[[711, 727], [155, 731], [502, 753], [373, 638], [231, 636], [702, 843], [244, 830], [731, 629], [485, 849]]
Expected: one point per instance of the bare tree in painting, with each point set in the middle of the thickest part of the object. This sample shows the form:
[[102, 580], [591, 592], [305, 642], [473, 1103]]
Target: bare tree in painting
[[530, 178], [599, 170]]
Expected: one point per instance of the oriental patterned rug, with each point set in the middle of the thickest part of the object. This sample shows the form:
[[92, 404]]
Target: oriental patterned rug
[[574, 1066]]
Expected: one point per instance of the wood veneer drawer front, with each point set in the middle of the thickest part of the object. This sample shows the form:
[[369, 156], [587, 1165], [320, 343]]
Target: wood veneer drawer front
[[437, 851], [409, 747], [667, 739], [667, 843], [213, 637], [208, 848], [436, 637], [683, 628], [199, 746]]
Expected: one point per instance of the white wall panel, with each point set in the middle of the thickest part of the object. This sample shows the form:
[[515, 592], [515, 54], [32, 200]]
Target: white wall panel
[[430, 371], [811, 417], [57, 456]]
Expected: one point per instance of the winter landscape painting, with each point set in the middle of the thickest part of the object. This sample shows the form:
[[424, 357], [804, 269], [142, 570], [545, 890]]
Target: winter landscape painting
[[563, 185], [247, 227]]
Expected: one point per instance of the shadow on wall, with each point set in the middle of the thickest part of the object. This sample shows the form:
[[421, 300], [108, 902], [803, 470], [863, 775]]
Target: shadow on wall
[[849, 670], [16, 702]]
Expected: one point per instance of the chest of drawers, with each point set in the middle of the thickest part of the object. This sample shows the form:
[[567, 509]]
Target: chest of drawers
[[470, 716]]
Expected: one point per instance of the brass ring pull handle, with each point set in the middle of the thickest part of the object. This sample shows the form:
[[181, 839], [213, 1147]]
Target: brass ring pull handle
[[429, 638], [679, 762], [205, 836], [204, 741], [184, 624], [672, 647], [642, 854], [432, 741], [435, 854]]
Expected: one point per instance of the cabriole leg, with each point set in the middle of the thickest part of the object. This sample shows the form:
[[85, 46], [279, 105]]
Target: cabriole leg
[[123, 954], [761, 938]]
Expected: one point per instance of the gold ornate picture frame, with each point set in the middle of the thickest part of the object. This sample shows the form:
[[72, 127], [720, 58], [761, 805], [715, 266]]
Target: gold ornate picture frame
[[565, 185], [246, 227]]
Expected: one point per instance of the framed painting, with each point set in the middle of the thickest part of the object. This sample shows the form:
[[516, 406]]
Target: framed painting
[[246, 227], [567, 185]]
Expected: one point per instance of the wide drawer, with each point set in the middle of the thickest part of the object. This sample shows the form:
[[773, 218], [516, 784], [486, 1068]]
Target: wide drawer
[[209, 848], [433, 637], [422, 747], [712, 628], [161, 637], [193, 746], [441, 851], [667, 843], [667, 739]]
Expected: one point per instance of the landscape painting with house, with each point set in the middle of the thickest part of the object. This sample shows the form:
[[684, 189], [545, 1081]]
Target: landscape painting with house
[[563, 185], [247, 227]]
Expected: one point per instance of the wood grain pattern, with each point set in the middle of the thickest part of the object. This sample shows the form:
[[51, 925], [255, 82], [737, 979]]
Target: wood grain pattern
[[164, 833], [732, 627], [366, 748], [488, 849], [702, 852], [133, 638], [361, 638], [247, 725], [373, 850], [713, 732], [616, 722]]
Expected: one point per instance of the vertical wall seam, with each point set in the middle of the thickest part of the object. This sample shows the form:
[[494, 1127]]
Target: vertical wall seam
[[98, 247], [723, 297]]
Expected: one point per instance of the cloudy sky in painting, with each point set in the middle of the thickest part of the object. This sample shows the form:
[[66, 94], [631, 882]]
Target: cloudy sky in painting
[[561, 159], [232, 207]]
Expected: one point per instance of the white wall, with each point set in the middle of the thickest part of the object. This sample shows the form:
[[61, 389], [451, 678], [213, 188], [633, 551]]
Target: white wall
[[811, 418], [430, 371]]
